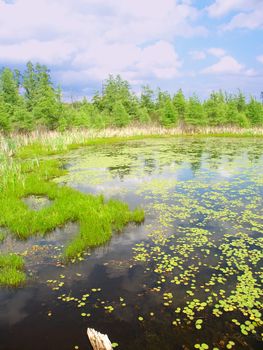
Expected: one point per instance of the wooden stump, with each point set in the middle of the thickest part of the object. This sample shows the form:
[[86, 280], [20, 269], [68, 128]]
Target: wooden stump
[[98, 341]]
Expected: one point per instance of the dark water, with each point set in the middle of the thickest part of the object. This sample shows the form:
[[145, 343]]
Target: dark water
[[196, 257]]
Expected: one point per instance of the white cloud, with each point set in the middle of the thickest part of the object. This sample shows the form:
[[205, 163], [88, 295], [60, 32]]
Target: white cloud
[[201, 55], [251, 20], [226, 65], [216, 51], [197, 55], [223, 7], [46, 52], [248, 14], [159, 60], [260, 59], [251, 72], [98, 37]]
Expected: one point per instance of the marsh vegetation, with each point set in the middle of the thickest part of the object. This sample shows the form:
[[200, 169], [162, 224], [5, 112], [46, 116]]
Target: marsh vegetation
[[188, 277]]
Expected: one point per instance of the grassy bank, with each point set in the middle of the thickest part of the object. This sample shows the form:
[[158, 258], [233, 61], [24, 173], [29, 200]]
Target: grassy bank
[[39, 143], [21, 178]]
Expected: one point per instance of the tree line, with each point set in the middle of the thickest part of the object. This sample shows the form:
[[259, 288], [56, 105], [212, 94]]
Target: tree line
[[29, 100]]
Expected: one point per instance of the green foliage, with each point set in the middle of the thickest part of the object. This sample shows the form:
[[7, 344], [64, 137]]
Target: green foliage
[[143, 115], [234, 116], [120, 115], [194, 114], [180, 104], [167, 113], [22, 119], [215, 108], [11, 270], [8, 87], [147, 98], [4, 116], [240, 101], [255, 112], [97, 218], [29, 101], [2, 237], [115, 90]]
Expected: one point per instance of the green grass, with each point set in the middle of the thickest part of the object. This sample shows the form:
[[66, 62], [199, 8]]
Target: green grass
[[38, 149], [13, 260], [11, 277], [97, 218], [2, 237], [11, 270]]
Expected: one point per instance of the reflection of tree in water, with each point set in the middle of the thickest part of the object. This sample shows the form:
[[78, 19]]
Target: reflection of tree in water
[[196, 161], [217, 149], [150, 164], [177, 151], [255, 153], [120, 171]]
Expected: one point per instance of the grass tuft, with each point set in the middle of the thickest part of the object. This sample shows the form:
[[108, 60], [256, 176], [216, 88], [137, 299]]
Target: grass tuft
[[23, 177], [11, 270]]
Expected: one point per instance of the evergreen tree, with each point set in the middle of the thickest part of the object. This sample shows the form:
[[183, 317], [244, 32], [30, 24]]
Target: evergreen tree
[[30, 100], [240, 101], [4, 116], [120, 115], [8, 87], [255, 112], [195, 114], [116, 90], [168, 114], [215, 108], [180, 104], [46, 108], [147, 98], [143, 115], [30, 85], [22, 119], [234, 116]]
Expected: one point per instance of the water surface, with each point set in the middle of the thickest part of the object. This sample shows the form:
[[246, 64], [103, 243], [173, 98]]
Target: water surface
[[189, 275]]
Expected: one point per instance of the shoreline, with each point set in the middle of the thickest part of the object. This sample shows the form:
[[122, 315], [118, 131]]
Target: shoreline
[[42, 142]]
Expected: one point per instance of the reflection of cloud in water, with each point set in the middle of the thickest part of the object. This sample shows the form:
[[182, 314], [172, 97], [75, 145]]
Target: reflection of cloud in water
[[224, 172], [13, 309]]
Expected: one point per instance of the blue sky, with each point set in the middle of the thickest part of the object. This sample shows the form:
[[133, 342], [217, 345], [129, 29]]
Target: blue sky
[[195, 45]]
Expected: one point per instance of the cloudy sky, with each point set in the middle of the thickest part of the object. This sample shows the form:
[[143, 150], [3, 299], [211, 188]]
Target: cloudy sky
[[198, 45]]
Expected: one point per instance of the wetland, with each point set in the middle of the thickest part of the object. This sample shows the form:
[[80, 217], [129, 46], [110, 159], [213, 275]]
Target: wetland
[[156, 242]]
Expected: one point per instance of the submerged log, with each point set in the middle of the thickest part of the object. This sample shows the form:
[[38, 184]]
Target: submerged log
[[99, 341]]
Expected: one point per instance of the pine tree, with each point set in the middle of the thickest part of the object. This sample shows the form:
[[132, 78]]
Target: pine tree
[[215, 108], [120, 115], [8, 87], [5, 123], [168, 114], [47, 108], [143, 115], [255, 112], [30, 85], [234, 116], [22, 119], [147, 98], [180, 104], [116, 90], [195, 114]]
